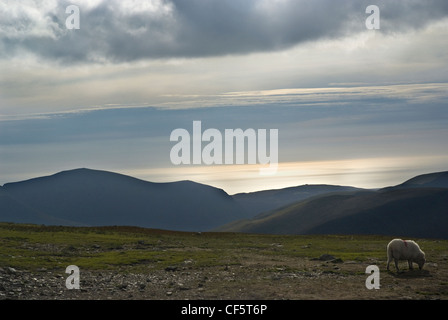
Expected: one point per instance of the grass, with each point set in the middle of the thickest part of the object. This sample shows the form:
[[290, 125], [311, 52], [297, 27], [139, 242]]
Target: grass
[[220, 265], [34, 247]]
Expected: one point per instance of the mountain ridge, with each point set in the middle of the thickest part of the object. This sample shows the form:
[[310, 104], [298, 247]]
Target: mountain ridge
[[260, 202], [88, 197], [403, 209], [96, 197], [434, 179]]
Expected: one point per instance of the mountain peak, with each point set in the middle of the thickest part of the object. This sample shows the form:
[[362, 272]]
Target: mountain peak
[[93, 197], [434, 180]]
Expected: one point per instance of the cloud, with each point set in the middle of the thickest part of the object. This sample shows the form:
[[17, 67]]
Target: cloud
[[352, 142], [124, 31]]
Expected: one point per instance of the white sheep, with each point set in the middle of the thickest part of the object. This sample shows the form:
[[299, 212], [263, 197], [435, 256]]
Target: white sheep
[[408, 250]]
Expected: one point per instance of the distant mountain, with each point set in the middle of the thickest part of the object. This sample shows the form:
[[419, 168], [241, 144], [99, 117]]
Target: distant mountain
[[258, 202], [421, 213], [433, 180], [414, 208], [13, 211], [85, 197]]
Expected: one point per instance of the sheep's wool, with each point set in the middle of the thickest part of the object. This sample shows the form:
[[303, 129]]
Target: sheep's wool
[[409, 250]]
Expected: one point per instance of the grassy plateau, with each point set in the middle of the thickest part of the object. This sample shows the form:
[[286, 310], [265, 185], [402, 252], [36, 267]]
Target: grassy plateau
[[217, 265]]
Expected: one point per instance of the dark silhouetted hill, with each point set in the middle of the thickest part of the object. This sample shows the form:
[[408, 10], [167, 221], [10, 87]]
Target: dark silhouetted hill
[[85, 197], [258, 202], [415, 208], [430, 180]]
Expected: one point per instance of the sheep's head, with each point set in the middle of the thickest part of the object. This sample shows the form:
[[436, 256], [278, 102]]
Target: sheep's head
[[421, 261]]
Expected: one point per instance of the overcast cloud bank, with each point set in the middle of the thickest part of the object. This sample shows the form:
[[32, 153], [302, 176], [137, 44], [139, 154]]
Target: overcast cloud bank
[[119, 31]]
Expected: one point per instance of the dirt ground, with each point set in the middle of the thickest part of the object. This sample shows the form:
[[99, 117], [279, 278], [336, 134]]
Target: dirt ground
[[255, 279]]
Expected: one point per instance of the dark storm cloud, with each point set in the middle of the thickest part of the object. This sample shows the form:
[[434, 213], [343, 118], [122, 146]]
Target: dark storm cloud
[[127, 31]]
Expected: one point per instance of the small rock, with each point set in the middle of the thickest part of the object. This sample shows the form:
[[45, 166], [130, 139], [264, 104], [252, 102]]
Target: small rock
[[11, 270], [326, 257], [181, 286], [171, 268], [122, 286]]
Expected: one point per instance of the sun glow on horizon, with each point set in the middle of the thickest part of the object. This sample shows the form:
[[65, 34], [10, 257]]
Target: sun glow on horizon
[[369, 173]]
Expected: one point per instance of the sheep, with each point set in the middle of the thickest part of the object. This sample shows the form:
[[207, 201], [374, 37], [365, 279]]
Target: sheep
[[408, 250]]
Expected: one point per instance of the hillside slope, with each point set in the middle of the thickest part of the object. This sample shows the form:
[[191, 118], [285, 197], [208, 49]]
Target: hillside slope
[[429, 180], [92, 197], [406, 210], [258, 202]]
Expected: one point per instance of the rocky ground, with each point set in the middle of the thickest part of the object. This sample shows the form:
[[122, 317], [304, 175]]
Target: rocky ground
[[255, 279], [124, 263]]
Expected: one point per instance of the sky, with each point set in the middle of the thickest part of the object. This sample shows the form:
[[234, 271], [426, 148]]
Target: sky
[[352, 105]]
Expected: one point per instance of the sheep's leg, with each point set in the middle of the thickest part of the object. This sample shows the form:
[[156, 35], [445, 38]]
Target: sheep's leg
[[410, 265], [396, 265]]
